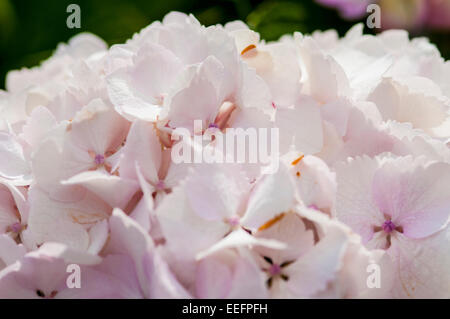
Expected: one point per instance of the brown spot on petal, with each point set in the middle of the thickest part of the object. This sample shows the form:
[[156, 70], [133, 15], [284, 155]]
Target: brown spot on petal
[[224, 115], [287, 263], [309, 225], [269, 282], [248, 48], [131, 205], [83, 218], [160, 241], [388, 241], [165, 138], [268, 259], [271, 222], [296, 161], [284, 277]]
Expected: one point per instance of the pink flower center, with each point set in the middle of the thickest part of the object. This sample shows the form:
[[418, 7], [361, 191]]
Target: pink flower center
[[16, 227], [99, 159], [160, 185], [388, 226], [234, 221], [274, 270]]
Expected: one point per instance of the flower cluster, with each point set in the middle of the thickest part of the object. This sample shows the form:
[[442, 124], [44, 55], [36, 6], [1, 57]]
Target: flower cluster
[[358, 207]]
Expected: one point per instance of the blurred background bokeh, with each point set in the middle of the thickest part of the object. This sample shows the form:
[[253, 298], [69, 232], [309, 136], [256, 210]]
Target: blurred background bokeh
[[31, 29]]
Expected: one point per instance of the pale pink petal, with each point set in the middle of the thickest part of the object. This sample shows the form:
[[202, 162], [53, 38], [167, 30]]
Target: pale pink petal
[[314, 270], [10, 251], [98, 128], [213, 279], [291, 231], [98, 235], [13, 162], [63, 222], [196, 98], [144, 148], [272, 195], [216, 191], [155, 278], [241, 238], [417, 198], [421, 266], [354, 205], [176, 216], [300, 127], [114, 190]]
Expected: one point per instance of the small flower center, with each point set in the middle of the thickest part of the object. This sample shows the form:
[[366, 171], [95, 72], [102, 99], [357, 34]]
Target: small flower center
[[16, 227], [388, 226], [99, 159], [160, 185], [274, 270], [234, 221]]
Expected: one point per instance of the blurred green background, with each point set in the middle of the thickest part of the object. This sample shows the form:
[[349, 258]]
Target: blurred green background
[[31, 29]]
